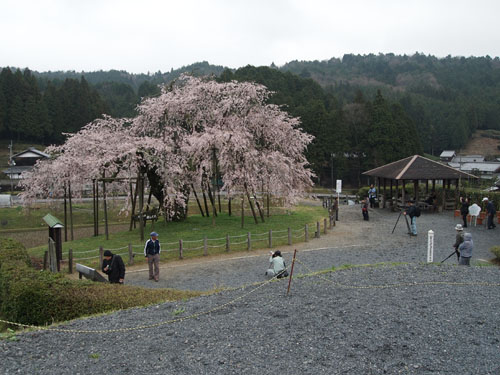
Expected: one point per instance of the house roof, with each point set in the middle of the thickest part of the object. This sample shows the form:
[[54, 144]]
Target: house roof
[[417, 167], [447, 154], [468, 159], [18, 169], [481, 167], [31, 152]]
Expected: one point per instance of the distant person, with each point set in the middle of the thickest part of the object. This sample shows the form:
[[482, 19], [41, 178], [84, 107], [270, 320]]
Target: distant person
[[364, 210], [490, 211], [465, 249], [277, 265], [459, 238], [464, 210], [372, 195], [152, 251], [113, 266], [413, 212], [432, 201]]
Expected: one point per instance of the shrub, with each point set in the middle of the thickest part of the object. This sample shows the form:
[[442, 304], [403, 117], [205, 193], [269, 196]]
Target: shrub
[[496, 251], [39, 297]]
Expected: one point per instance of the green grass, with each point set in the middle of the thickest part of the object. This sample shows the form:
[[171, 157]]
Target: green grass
[[193, 230]]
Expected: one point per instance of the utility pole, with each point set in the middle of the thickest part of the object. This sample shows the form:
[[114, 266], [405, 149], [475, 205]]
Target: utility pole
[[12, 163]]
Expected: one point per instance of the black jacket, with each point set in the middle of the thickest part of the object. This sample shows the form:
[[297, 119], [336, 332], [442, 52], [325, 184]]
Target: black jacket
[[411, 211], [116, 269], [464, 210]]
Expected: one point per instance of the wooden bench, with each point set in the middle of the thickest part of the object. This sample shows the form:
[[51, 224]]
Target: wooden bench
[[151, 215]]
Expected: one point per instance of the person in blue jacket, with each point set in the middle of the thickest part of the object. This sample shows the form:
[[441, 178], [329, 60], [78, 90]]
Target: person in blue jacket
[[152, 251]]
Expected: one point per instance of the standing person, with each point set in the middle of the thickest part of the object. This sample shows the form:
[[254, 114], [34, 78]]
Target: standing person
[[372, 195], [459, 238], [490, 211], [413, 212], [465, 249], [364, 210], [113, 266], [277, 264], [152, 252], [464, 210]]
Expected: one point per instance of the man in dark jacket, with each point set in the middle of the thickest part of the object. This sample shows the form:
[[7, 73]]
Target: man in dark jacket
[[490, 211], [464, 210], [411, 211], [114, 267], [152, 250]]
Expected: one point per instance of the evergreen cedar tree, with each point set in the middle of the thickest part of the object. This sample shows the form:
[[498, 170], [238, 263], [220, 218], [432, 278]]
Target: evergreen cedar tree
[[172, 140]]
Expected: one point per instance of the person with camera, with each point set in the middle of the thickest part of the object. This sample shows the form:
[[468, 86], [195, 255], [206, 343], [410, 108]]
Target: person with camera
[[413, 212], [278, 266], [372, 195], [152, 251], [113, 266]]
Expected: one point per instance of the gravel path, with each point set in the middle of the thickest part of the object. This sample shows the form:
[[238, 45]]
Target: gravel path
[[391, 319]]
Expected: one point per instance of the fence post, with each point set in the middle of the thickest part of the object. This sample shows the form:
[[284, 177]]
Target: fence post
[[324, 225], [45, 260], [306, 233], [289, 236], [180, 249], [101, 256], [70, 261], [205, 247], [270, 238], [318, 229], [249, 241], [330, 222], [130, 255], [52, 256], [227, 242], [430, 246]]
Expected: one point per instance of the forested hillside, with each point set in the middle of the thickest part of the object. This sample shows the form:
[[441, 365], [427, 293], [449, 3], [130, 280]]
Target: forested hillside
[[363, 110], [448, 98]]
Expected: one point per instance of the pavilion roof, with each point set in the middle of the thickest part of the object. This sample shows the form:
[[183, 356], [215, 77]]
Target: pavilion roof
[[417, 167]]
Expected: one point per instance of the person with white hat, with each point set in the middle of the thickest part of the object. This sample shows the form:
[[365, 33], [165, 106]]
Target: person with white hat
[[152, 251], [459, 238], [491, 211]]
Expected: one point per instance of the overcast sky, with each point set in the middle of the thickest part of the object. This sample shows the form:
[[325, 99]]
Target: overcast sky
[[151, 35]]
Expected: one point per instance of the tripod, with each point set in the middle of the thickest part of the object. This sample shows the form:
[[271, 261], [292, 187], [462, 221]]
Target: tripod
[[407, 224], [455, 252]]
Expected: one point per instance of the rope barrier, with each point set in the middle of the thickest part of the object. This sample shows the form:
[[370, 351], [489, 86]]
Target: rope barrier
[[191, 241], [194, 248], [146, 326], [97, 256], [118, 248], [83, 252]]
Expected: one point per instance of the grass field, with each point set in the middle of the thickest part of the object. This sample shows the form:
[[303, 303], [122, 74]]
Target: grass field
[[192, 231]]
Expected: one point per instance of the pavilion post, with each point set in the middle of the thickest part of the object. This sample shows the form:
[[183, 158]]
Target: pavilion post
[[378, 187], [403, 195], [433, 185], [415, 188], [397, 193], [456, 192], [383, 203], [427, 187], [444, 194]]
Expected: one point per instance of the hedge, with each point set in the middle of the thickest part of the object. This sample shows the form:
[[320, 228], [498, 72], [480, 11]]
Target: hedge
[[29, 296], [496, 251]]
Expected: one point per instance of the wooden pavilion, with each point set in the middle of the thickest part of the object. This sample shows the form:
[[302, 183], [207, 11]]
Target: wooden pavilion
[[415, 169]]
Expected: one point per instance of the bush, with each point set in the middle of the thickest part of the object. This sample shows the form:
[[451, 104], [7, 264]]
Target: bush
[[496, 251], [35, 297]]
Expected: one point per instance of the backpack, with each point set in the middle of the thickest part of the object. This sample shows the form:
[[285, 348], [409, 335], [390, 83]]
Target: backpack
[[417, 211]]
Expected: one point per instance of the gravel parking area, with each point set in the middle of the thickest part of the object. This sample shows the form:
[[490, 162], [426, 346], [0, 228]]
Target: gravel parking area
[[410, 318]]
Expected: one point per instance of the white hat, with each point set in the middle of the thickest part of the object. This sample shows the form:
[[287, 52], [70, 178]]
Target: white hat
[[459, 227], [485, 199]]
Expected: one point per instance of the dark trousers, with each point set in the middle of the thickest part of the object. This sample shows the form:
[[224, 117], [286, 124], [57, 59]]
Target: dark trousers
[[372, 202], [464, 217], [491, 225], [365, 215]]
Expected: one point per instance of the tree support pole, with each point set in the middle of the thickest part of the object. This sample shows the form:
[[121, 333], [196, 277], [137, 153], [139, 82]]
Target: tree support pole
[[197, 201]]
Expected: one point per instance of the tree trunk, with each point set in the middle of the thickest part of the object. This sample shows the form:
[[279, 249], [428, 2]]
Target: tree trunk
[[261, 213], [197, 201]]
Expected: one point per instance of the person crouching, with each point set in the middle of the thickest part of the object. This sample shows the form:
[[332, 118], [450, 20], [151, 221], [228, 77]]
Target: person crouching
[[277, 265], [364, 210]]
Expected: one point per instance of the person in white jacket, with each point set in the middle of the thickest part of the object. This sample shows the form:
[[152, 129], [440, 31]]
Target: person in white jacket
[[277, 265]]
